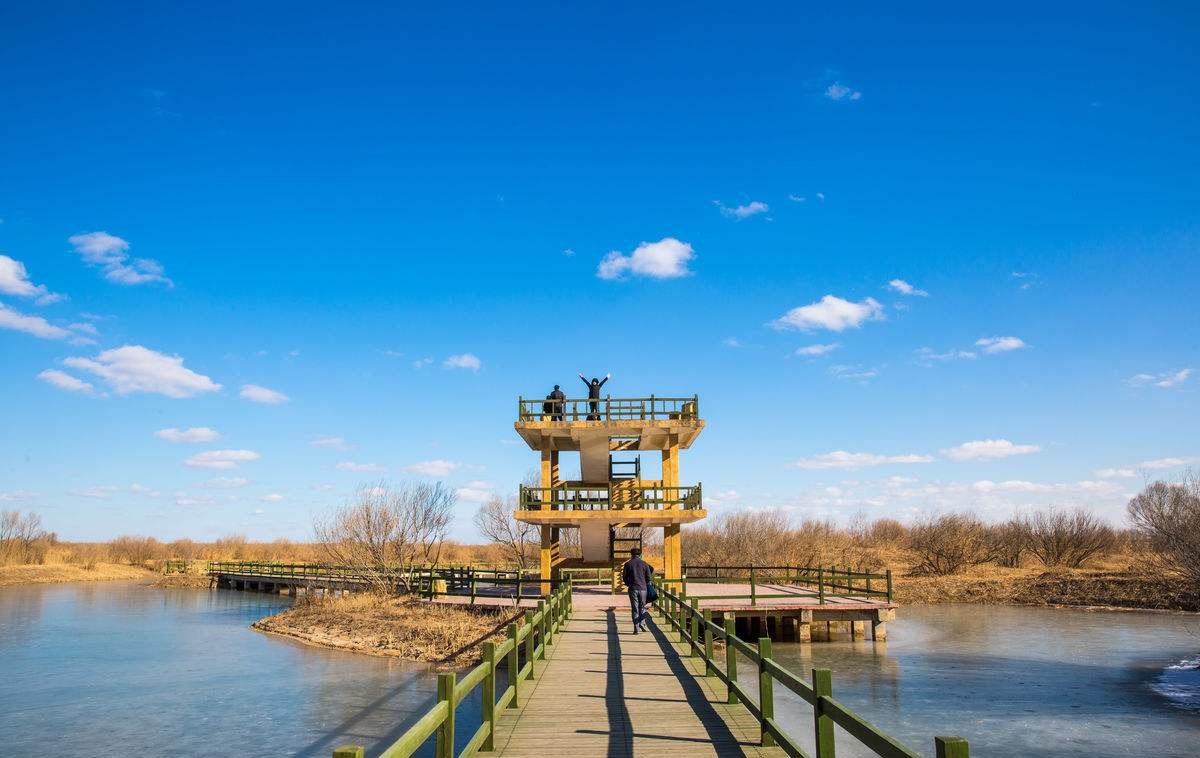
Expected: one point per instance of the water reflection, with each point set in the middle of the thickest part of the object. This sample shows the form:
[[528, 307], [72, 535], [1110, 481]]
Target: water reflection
[[1012, 680], [119, 669]]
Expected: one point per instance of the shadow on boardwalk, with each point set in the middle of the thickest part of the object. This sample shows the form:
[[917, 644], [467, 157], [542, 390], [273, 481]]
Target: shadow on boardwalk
[[606, 691]]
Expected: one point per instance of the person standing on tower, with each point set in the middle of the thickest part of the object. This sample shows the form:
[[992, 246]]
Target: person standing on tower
[[594, 395], [557, 398]]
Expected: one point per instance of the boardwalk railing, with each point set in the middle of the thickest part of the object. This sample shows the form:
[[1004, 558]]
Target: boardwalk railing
[[824, 580], [533, 638], [610, 409], [430, 582], [698, 633], [590, 497]]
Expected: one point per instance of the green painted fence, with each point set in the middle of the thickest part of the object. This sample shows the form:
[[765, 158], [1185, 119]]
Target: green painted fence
[[824, 580], [533, 638], [698, 633]]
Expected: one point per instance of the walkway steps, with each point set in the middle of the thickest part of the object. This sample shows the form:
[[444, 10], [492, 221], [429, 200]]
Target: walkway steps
[[606, 691]]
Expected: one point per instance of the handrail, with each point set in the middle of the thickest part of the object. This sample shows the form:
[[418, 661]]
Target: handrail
[[613, 495], [825, 580], [609, 408], [697, 633], [430, 582], [534, 636]]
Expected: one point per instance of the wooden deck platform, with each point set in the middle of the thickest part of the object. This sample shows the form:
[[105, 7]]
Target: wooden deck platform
[[606, 691]]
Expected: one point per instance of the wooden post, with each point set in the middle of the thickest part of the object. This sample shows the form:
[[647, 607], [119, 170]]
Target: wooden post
[[348, 751], [542, 626], [682, 618], [766, 691], [473, 587], [695, 627], [951, 747], [445, 733], [889, 585], [513, 665], [731, 657], [821, 585], [822, 684], [753, 588], [709, 668], [488, 696], [529, 642]]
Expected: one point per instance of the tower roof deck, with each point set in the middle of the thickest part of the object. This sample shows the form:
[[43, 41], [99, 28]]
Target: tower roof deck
[[633, 423]]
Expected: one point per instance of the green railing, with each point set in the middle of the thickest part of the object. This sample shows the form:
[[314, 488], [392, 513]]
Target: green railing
[[613, 496], [610, 409], [176, 567], [698, 633], [534, 638], [430, 582], [822, 580]]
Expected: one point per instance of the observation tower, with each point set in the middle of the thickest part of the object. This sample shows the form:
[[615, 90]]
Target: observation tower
[[609, 434]]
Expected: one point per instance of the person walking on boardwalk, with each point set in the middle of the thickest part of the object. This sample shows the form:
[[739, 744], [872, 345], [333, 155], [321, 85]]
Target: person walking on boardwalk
[[557, 401], [636, 574], [594, 395]]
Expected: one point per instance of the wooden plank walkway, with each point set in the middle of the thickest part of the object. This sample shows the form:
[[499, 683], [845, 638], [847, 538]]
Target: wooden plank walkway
[[607, 692]]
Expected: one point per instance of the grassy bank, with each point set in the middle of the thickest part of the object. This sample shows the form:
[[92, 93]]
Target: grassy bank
[[399, 627], [53, 573]]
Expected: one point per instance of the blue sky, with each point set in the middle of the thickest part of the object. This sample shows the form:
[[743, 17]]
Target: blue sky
[[374, 228]]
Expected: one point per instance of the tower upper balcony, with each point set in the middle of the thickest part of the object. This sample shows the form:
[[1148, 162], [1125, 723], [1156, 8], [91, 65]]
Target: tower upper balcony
[[632, 423]]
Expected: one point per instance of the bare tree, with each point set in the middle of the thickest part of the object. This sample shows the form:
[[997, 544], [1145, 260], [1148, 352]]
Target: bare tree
[[1067, 538], [517, 540], [1169, 514], [22, 538], [385, 531], [1010, 541], [948, 543]]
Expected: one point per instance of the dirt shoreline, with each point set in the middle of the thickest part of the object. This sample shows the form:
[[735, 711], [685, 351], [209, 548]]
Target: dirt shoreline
[[445, 635], [1110, 590]]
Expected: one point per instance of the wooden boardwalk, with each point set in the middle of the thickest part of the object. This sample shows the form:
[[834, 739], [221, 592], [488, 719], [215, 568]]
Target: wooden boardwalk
[[607, 692]]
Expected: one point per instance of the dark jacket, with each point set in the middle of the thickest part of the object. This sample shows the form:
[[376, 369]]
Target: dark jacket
[[636, 574], [594, 387]]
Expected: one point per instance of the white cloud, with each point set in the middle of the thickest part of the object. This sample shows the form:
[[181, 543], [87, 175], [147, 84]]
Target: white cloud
[[190, 435], [841, 459], [666, 259], [35, 325], [853, 373], [17, 496], [133, 368], [100, 492], [221, 459], [904, 288], [812, 350], [464, 361], [274, 497], [257, 394], [753, 208], [797, 198], [1162, 463], [14, 280], [182, 498], [1115, 473], [832, 313], [362, 468], [475, 491], [337, 443], [226, 483], [821, 196], [731, 342], [1164, 380], [992, 345], [84, 327], [838, 91], [111, 253], [926, 354], [987, 450], [65, 381], [422, 362], [437, 467]]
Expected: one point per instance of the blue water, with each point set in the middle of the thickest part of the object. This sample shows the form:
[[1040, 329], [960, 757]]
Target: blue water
[[115, 669], [1017, 681]]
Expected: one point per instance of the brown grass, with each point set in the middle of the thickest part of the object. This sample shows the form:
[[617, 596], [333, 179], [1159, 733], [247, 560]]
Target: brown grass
[[52, 573], [400, 627]]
